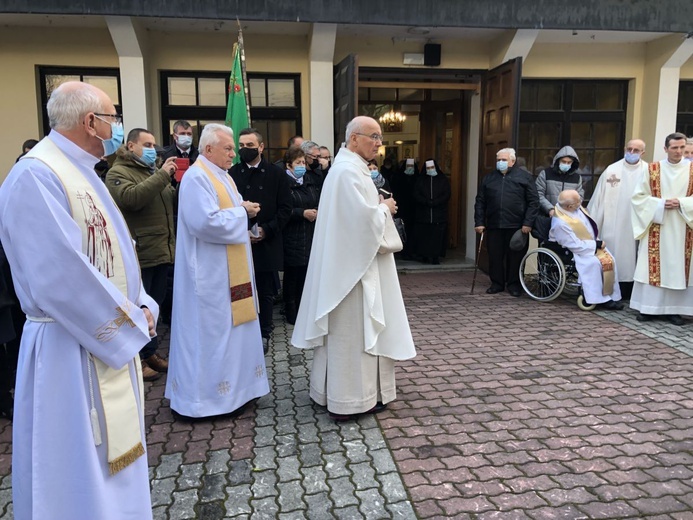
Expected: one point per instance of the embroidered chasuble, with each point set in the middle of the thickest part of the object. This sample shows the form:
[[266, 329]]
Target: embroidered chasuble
[[582, 233], [242, 301], [100, 244], [655, 231]]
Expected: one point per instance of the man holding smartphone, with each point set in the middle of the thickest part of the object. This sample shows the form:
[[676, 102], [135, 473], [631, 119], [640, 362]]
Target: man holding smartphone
[[182, 149]]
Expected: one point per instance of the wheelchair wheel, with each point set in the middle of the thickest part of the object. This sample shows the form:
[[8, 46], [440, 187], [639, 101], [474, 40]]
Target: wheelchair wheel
[[542, 274], [582, 305]]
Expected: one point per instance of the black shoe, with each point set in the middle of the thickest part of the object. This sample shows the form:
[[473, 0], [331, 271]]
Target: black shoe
[[336, 417], [379, 407], [645, 317], [611, 305], [676, 319], [514, 292], [265, 345], [494, 290]]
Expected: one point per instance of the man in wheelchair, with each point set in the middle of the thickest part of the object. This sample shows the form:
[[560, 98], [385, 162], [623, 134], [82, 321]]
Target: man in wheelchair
[[572, 228]]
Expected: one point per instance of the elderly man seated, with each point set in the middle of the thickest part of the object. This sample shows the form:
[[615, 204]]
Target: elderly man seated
[[572, 228]]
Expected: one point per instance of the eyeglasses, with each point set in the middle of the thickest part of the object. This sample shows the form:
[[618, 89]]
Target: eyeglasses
[[633, 150], [118, 118], [328, 157], [375, 137]]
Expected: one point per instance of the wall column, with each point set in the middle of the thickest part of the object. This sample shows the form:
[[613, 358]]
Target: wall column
[[133, 85], [513, 44], [322, 43]]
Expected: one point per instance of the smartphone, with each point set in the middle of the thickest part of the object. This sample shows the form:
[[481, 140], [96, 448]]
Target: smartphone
[[182, 165], [386, 194]]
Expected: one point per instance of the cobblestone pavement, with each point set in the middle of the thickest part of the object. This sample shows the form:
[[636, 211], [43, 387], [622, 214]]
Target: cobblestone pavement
[[511, 410]]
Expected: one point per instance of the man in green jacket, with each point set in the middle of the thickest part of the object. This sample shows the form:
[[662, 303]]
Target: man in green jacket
[[145, 196]]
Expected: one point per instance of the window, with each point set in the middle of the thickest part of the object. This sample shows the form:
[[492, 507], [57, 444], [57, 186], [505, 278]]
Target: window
[[200, 98], [684, 117], [588, 115], [51, 78]]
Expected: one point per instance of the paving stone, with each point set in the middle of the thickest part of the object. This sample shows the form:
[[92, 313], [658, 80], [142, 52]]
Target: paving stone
[[290, 494], [213, 488], [162, 491], [372, 504], [363, 476], [169, 466], [335, 465], [342, 492], [218, 461], [212, 511], [314, 480], [264, 508], [238, 501], [184, 503], [288, 469], [319, 506], [265, 458], [239, 472]]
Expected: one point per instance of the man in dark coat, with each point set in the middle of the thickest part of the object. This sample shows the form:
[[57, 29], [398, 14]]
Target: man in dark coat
[[182, 146], [506, 202], [11, 323], [260, 181]]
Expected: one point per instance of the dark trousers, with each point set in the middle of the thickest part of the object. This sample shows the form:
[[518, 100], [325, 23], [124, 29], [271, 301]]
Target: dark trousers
[[503, 262], [294, 280], [154, 282], [266, 291]]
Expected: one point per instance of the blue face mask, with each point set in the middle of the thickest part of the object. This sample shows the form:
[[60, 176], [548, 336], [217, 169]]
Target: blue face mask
[[432, 172], [148, 156], [299, 171], [501, 166], [111, 145], [409, 170], [374, 174], [631, 158], [564, 167], [184, 141]]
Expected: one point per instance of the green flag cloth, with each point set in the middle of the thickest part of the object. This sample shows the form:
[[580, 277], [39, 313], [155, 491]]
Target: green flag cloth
[[237, 107]]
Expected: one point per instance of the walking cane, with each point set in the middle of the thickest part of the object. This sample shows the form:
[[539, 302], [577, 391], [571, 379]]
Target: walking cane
[[476, 265]]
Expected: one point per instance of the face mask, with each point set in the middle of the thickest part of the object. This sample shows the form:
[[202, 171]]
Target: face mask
[[314, 164], [248, 155], [374, 174], [111, 145], [184, 141], [432, 172], [632, 158], [501, 166], [409, 170], [148, 156], [299, 171], [564, 167]]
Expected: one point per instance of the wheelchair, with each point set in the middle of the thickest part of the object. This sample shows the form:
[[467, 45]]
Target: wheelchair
[[549, 270]]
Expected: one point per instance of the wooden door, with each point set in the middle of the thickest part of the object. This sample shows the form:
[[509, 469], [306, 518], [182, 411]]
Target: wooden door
[[500, 120], [346, 96], [442, 139]]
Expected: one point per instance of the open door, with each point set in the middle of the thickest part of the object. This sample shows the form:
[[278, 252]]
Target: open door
[[442, 138], [346, 96], [500, 120]]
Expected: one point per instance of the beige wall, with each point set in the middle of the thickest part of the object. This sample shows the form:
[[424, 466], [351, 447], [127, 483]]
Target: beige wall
[[22, 49]]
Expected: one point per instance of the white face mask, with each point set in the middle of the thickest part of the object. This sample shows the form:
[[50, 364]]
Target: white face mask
[[184, 141]]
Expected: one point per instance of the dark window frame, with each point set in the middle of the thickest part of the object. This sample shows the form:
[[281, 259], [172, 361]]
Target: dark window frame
[[218, 113], [568, 116], [684, 120], [51, 70]]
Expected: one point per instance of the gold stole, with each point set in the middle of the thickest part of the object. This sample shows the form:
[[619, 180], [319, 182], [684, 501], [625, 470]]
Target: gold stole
[[654, 234], [605, 259], [100, 244], [242, 301]]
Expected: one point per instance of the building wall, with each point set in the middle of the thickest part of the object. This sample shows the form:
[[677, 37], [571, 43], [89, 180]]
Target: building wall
[[22, 49]]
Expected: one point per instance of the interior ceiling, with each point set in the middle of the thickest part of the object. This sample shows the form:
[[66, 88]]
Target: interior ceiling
[[397, 33]]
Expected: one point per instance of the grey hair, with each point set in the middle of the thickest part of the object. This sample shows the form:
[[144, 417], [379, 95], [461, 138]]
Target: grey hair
[[565, 200], [69, 103], [510, 151], [353, 126], [307, 146], [689, 140], [210, 134]]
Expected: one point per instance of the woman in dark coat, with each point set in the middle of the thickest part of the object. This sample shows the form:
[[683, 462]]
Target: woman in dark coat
[[298, 233], [431, 196]]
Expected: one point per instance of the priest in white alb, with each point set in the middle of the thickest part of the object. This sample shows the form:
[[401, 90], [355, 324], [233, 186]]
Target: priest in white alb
[[352, 309], [662, 215], [216, 362], [610, 208], [78, 447], [574, 229]]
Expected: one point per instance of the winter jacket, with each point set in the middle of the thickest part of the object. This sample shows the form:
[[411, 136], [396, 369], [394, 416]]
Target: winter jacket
[[270, 187], [506, 201], [146, 199], [553, 181], [431, 196], [298, 233]]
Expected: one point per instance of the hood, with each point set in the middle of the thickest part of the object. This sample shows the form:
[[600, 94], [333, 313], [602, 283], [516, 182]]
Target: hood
[[566, 151]]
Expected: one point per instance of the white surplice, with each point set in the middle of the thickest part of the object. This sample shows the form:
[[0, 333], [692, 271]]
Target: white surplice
[[674, 295], [588, 266], [352, 308], [214, 367], [57, 471], [610, 208]]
